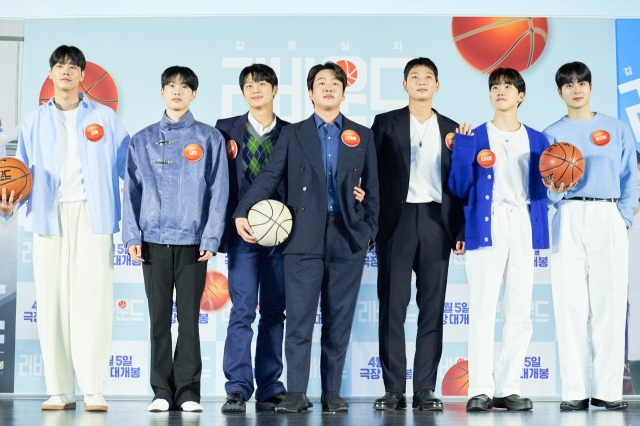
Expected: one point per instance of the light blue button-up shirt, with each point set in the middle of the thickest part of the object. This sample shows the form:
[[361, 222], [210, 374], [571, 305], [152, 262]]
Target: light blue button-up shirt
[[102, 164]]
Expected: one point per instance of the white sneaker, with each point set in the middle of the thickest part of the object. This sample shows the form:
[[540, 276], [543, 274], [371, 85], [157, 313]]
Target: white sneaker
[[191, 406], [158, 405], [63, 401], [95, 402]]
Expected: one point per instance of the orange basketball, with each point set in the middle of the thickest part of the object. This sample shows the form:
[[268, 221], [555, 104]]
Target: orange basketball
[[350, 70], [15, 176], [216, 292], [97, 86], [488, 43], [562, 163], [456, 381], [486, 158]]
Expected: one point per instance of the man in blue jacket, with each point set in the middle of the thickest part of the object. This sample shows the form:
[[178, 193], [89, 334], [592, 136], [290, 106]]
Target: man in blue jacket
[[175, 195], [496, 172]]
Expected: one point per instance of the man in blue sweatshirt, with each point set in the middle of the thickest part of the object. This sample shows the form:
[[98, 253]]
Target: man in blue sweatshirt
[[590, 252], [175, 195]]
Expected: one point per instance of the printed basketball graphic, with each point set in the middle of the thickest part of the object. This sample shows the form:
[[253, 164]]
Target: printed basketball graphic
[[350, 138], [456, 380], [450, 140], [97, 86], [122, 304], [94, 132], [488, 43], [193, 152], [486, 158], [350, 70], [601, 137], [232, 149], [216, 292]]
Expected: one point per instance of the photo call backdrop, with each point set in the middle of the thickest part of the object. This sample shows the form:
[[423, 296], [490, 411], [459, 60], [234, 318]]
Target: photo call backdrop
[[126, 57]]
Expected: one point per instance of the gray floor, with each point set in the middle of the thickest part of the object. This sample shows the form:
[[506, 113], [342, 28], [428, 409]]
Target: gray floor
[[124, 413]]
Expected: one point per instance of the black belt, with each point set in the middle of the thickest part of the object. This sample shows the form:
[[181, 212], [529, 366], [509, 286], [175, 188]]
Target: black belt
[[610, 200]]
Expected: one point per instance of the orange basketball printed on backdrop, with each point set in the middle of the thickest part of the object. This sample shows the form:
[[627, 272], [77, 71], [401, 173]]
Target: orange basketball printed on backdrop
[[450, 140], [15, 176], [486, 158], [456, 380], [488, 43], [193, 152], [94, 132], [97, 86], [232, 149], [601, 137], [122, 304], [216, 292], [350, 70], [350, 138]]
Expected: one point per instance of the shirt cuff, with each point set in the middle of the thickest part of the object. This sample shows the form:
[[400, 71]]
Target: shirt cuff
[[208, 246], [133, 242], [6, 218]]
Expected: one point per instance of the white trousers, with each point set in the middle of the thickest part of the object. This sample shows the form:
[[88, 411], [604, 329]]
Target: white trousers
[[589, 279], [73, 273], [509, 259]]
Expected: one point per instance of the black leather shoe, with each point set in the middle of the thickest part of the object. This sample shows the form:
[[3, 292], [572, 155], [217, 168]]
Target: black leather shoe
[[390, 401], [479, 403], [609, 405], [332, 402], [235, 403], [425, 400], [512, 402], [270, 403], [294, 402], [575, 405]]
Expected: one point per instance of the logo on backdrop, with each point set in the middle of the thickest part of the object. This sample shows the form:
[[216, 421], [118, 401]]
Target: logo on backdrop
[[97, 86], [456, 380], [533, 369], [487, 43], [122, 367], [350, 70], [216, 292]]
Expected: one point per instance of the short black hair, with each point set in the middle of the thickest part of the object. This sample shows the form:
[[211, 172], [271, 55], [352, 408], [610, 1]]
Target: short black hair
[[259, 72], [71, 54], [508, 76], [340, 74], [420, 62], [572, 71], [186, 74]]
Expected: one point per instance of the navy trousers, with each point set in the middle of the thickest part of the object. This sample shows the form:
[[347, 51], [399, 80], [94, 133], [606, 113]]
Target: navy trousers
[[335, 279], [256, 273]]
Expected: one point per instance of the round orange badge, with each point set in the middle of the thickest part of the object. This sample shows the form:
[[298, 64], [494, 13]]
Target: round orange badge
[[193, 152], [601, 137], [94, 132], [486, 158], [450, 140], [350, 138], [232, 149]]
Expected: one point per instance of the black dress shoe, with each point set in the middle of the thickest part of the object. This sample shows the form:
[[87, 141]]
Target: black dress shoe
[[479, 403], [425, 400], [332, 402], [294, 402], [575, 405], [390, 401], [235, 403], [270, 403], [512, 402], [609, 405]]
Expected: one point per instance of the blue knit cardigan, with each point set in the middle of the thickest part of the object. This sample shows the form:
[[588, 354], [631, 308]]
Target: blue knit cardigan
[[474, 184]]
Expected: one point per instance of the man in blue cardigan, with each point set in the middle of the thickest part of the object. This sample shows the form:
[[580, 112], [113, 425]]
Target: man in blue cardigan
[[496, 172]]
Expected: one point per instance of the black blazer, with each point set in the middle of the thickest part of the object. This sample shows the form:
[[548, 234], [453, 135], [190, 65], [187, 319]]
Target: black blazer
[[297, 159], [233, 129], [392, 137]]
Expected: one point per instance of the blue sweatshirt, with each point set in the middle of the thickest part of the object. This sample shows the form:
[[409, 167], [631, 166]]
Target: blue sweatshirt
[[610, 170], [474, 184]]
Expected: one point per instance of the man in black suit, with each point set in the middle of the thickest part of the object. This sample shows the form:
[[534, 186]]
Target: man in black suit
[[420, 222], [321, 161]]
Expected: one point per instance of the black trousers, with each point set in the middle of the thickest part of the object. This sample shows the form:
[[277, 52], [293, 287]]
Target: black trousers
[[421, 244], [177, 378], [335, 279]]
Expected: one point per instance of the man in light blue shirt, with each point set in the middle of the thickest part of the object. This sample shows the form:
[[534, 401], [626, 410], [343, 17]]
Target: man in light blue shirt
[[75, 149], [590, 249]]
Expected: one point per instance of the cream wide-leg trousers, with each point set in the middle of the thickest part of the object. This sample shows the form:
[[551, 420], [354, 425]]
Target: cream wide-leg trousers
[[509, 260], [73, 274], [589, 279]]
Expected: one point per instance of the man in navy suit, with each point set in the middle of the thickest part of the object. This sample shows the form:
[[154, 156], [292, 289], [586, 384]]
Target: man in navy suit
[[321, 161]]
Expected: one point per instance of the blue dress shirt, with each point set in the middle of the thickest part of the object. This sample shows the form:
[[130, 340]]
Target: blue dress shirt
[[329, 135]]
